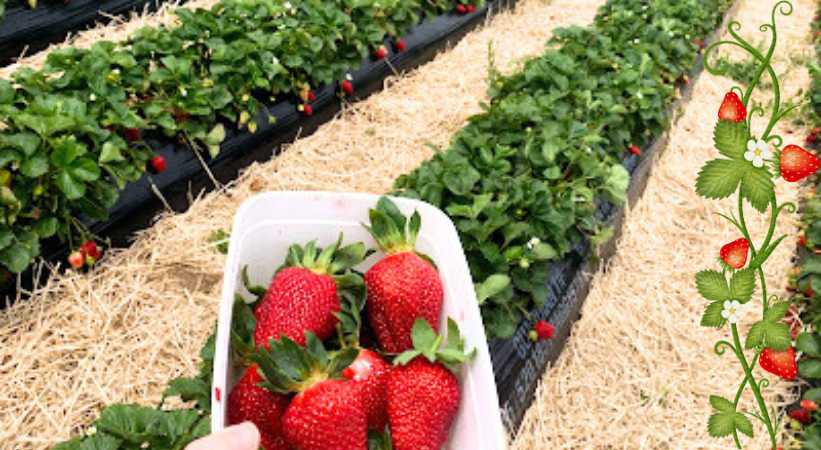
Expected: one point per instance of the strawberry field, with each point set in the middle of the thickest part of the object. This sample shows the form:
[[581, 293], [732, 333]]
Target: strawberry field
[[536, 154]]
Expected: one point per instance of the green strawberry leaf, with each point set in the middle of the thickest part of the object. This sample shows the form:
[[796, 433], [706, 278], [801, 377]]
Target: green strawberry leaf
[[810, 368], [712, 285], [742, 285], [809, 343], [743, 425], [721, 424], [757, 187], [721, 404], [776, 311], [765, 333], [731, 138], [813, 394], [493, 285], [719, 178], [712, 315]]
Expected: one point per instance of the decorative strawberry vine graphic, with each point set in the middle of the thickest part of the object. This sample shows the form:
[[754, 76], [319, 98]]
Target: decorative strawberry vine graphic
[[748, 164]]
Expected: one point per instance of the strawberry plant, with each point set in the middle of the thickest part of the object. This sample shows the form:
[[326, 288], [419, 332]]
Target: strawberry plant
[[748, 164], [524, 181]]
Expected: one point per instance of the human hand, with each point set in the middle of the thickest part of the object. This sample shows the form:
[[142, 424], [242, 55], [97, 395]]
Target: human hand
[[238, 437]]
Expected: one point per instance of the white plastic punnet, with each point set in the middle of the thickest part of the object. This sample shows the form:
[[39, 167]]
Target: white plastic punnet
[[267, 224]]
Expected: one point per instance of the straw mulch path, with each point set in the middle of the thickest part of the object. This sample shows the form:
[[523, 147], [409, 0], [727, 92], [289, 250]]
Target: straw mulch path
[[121, 332], [638, 368]]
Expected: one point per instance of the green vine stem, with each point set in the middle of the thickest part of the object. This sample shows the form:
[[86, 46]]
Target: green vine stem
[[747, 169]]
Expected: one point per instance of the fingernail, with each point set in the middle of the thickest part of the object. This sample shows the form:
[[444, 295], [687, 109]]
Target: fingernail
[[246, 435]]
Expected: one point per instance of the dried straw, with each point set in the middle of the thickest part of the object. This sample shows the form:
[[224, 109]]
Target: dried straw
[[638, 368], [139, 319]]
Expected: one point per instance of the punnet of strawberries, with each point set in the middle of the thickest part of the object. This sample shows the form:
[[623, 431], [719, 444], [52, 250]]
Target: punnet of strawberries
[[345, 360]]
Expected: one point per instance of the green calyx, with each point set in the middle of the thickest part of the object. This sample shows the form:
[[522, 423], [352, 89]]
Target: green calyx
[[350, 317], [287, 367], [334, 260], [393, 232], [426, 344]]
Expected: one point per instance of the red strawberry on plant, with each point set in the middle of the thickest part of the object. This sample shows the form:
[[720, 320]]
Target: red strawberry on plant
[[461, 9], [780, 363], [304, 294], [347, 87], [801, 415], [400, 45], [157, 164], [90, 252], [423, 392], [306, 109], [403, 286], [634, 149], [311, 96], [797, 163], [732, 108], [809, 405], [248, 401], [734, 254], [381, 52], [471, 8], [541, 331], [802, 240], [132, 134], [76, 260], [326, 413]]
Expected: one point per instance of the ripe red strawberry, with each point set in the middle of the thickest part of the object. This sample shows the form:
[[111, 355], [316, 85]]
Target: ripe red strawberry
[[779, 363], [369, 371], [801, 415], [541, 331], [76, 259], [699, 43], [311, 95], [802, 240], [157, 164], [303, 296], [403, 286], [400, 45], [132, 134], [326, 413], [381, 52], [809, 405], [797, 163], [811, 138], [461, 9], [423, 392], [734, 254], [471, 9], [634, 149], [347, 87], [89, 249], [250, 402], [307, 109], [732, 108], [809, 293]]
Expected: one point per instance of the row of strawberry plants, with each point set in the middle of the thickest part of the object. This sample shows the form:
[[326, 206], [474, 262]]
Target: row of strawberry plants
[[603, 86], [75, 131], [524, 181], [805, 278]]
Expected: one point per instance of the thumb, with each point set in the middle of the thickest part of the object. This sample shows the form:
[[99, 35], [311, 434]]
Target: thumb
[[239, 437]]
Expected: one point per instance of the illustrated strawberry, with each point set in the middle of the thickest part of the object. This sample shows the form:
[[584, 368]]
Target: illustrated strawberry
[[634, 149], [326, 413], [402, 286], [734, 254], [809, 405], [347, 87], [801, 415], [90, 252], [781, 363], [380, 53], [423, 392], [732, 109], [157, 164], [305, 292], [541, 331], [400, 45], [132, 134], [797, 163], [76, 259], [248, 401]]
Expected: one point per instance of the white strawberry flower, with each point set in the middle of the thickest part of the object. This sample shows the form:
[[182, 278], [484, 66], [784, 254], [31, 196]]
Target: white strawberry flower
[[757, 151], [732, 311]]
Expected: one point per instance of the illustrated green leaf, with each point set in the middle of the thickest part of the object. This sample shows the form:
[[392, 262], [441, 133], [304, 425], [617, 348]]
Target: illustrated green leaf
[[743, 425], [742, 285], [764, 333], [731, 138], [721, 404], [712, 315], [712, 285], [757, 187], [776, 311], [719, 178], [721, 424]]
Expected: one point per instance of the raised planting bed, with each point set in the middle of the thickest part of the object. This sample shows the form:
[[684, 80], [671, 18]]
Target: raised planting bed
[[552, 282], [29, 30], [126, 104]]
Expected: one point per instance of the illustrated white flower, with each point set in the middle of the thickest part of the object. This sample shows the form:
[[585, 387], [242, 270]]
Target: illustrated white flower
[[757, 152], [732, 311]]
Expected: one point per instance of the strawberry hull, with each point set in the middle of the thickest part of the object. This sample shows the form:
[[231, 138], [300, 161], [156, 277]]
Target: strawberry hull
[[268, 223]]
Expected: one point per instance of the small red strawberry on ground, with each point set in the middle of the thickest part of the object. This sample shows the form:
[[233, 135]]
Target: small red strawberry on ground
[[461, 9], [797, 163], [400, 45], [157, 164], [634, 149], [541, 331], [76, 259], [809, 405], [423, 392], [732, 109], [306, 110], [90, 252], [132, 134], [780, 363], [326, 413], [347, 87], [250, 402], [734, 254], [471, 9], [802, 240], [304, 294], [370, 372], [380, 53], [801, 415], [403, 286]]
